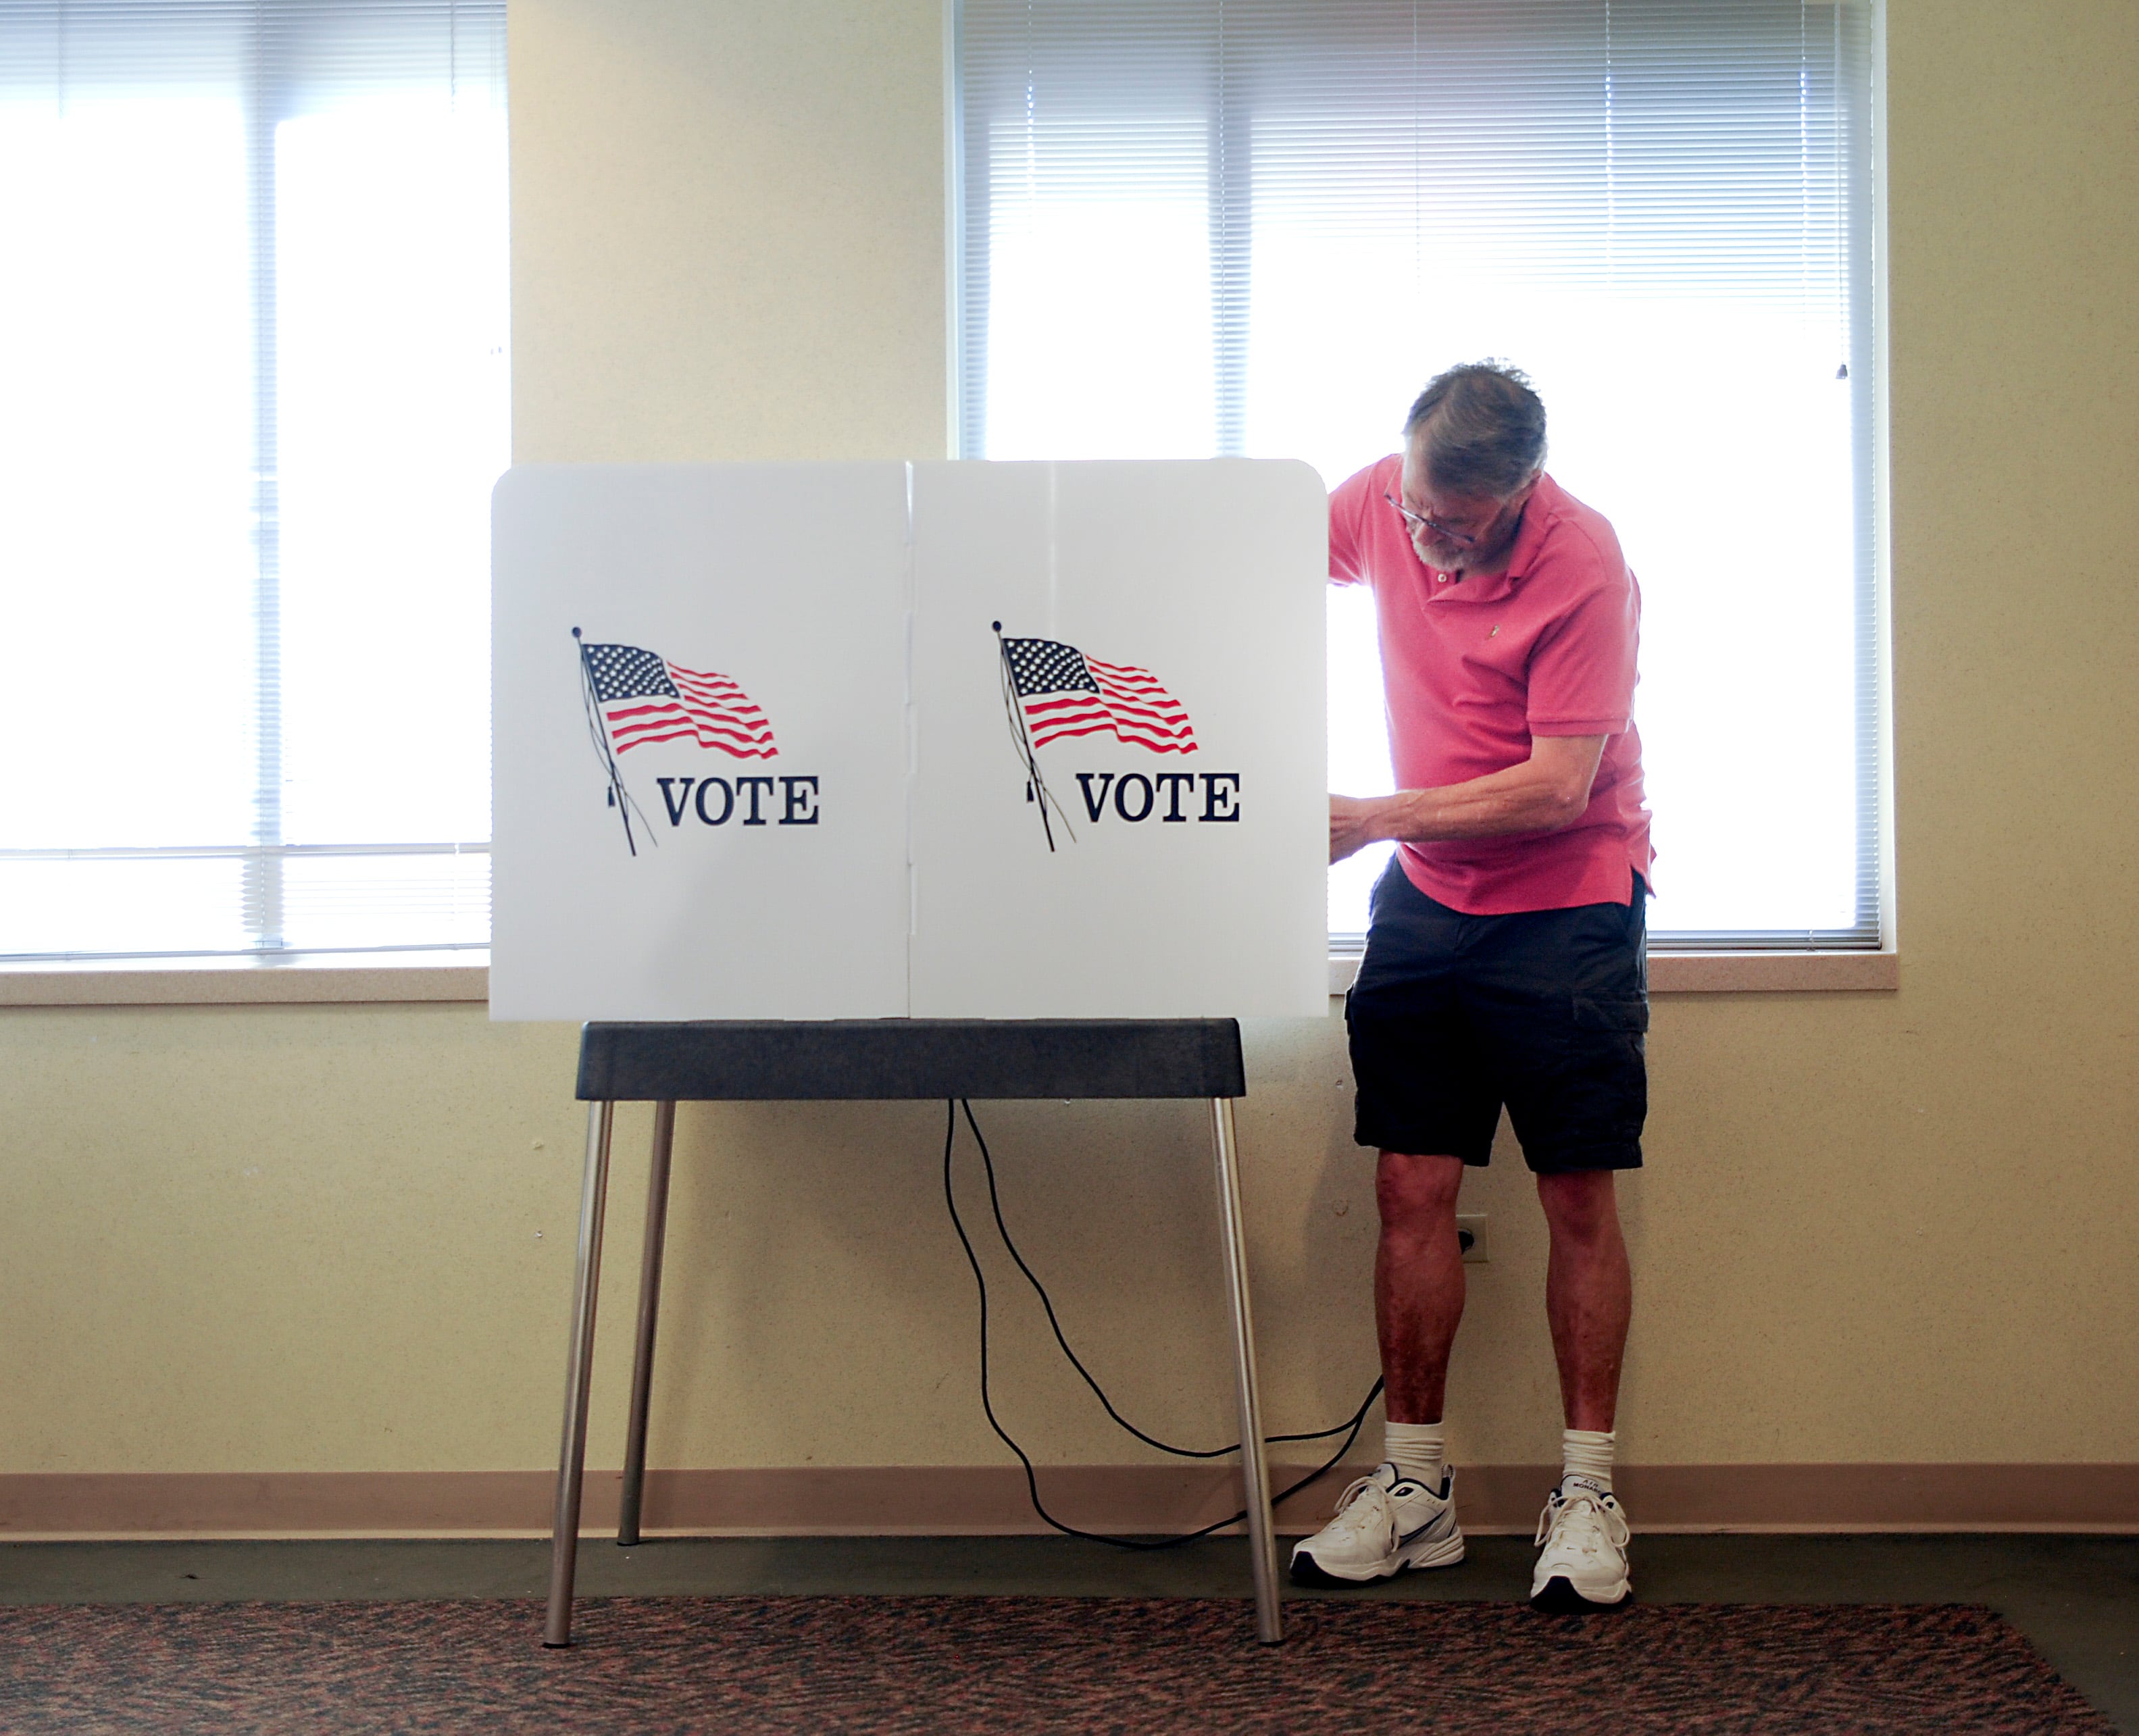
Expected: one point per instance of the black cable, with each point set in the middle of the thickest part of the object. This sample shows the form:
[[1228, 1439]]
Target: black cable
[[987, 1405], [994, 1202]]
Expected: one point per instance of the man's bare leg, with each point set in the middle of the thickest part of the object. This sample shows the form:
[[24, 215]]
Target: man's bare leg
[[1588, 1294], [1418, 1280], [1398, 1519]]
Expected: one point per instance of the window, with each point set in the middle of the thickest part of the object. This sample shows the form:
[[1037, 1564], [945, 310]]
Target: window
[[254, 333], [1192, 227]]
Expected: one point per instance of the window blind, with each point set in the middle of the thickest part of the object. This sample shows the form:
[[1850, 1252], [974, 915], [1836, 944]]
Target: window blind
[[254, 327], [1191, 228]]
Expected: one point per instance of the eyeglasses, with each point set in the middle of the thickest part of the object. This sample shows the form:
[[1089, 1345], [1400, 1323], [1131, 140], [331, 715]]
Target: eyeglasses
[[1432, 526]]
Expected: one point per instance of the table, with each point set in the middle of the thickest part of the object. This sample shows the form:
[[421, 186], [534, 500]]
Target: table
[[760, 1060]]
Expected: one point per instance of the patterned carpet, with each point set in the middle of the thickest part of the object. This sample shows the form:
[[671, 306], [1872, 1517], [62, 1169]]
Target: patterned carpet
[[959, 1664]]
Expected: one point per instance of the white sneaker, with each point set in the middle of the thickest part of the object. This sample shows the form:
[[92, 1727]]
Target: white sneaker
[[1385, 1523], [1584, 1533]]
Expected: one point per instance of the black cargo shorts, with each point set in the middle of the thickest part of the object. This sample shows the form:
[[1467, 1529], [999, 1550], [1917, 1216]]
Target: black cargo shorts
[[1543, 1010]]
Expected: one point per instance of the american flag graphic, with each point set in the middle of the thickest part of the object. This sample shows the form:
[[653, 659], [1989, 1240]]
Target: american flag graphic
[[1065, 692], [644, 697]]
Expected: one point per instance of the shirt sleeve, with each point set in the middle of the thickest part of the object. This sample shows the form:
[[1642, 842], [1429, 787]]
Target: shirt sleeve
[[1582, 673], [1347, 552]]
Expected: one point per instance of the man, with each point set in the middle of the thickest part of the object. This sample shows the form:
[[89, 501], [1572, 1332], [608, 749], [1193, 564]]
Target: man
[[1505, 951]]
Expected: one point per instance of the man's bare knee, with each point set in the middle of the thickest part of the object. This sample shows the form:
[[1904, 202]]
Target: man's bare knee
[[1416, 1193], [1580, 1206]]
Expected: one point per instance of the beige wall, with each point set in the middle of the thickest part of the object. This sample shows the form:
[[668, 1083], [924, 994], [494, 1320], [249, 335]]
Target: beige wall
[[1874, 1228]]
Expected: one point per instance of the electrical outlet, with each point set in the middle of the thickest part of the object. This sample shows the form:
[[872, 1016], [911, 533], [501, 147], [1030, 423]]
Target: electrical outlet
[[1471, 1236]]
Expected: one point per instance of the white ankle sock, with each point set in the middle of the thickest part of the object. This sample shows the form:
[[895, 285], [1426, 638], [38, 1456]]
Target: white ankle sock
[[1587, 1453], [1415, 1449]]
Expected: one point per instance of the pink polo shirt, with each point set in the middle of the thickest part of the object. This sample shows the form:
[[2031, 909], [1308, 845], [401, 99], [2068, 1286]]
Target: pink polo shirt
[[1474, 667]]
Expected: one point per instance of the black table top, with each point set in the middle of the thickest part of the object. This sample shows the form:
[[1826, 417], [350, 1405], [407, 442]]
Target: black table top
[[773, 1059]]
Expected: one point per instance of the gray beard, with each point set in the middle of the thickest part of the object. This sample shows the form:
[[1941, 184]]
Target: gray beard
[[1445, 557]]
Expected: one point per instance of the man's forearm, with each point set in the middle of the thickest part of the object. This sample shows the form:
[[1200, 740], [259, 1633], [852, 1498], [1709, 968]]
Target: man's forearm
[[1521, 798], [1548, 790]]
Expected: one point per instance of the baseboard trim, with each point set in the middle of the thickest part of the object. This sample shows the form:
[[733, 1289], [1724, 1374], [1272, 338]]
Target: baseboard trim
[[989, 1500]]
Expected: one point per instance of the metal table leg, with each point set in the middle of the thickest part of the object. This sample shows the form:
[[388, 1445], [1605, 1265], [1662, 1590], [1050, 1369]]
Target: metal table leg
[[578, 1371], [1255, 1472], [649, 1309]]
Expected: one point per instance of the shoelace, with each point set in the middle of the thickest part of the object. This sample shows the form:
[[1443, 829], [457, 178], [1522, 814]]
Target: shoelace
[[1581, 1522], [1365, 1506]]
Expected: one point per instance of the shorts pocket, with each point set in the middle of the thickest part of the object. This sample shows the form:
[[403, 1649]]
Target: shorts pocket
[[1611, 1013]]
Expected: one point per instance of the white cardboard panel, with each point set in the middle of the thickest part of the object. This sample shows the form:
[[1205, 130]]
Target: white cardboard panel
[[1210, 576], [791, 580], [909, 872]]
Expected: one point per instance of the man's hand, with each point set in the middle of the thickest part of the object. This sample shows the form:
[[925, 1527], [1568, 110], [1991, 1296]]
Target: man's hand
[[1352, 823]]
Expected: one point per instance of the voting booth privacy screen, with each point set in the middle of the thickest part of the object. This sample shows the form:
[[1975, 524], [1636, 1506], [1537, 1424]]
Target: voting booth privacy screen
[[940, 739]]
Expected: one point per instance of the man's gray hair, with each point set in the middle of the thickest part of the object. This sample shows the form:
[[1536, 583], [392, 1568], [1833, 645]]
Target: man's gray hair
[[1482, 427]]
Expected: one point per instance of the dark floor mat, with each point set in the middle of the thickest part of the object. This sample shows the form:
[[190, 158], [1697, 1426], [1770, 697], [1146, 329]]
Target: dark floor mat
[[940, 1665]]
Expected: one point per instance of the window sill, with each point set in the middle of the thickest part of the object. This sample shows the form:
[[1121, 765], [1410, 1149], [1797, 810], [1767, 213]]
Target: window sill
[[333, 982], [1734, 973], [324, 980]]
